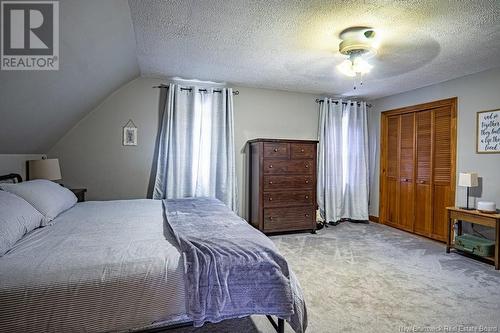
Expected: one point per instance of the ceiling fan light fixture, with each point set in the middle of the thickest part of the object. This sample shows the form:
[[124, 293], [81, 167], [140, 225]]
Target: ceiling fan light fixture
[[358, 44], [359, 65], [354, 66], [346, 68]]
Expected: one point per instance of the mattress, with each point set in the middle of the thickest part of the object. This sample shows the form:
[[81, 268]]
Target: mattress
[[102, 266]]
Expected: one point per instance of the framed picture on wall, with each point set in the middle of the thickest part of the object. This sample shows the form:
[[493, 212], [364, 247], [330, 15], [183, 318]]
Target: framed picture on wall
[[130, 134], [488, 132]]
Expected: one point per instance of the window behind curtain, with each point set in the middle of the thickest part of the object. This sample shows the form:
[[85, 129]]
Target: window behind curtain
[[196, 146]]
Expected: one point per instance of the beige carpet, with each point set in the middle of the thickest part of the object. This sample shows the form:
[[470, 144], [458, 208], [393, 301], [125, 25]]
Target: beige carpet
[[373, 278]]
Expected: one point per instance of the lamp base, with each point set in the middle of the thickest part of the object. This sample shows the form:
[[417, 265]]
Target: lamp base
[[467, 208]]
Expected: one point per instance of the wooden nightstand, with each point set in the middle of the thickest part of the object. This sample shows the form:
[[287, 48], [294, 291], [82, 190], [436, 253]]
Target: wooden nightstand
[[79, 193]]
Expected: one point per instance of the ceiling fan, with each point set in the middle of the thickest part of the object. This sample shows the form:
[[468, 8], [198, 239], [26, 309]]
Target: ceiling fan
[[358, 44], [361, 51]]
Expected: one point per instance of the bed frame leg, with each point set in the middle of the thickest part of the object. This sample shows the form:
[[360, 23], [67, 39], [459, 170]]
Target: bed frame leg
[[280, 326]]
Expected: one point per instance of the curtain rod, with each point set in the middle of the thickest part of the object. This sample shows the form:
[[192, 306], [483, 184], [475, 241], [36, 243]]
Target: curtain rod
[[345, 103], [162, 86]]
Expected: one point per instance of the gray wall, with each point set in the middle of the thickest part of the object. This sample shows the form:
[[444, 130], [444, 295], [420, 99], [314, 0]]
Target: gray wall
[[97, 55], [264, 113], [16, 163], [91, 153], [475, 93], [92, 156]]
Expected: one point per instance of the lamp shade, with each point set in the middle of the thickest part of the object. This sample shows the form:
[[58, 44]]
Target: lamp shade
[[468, 179], [44, 169]]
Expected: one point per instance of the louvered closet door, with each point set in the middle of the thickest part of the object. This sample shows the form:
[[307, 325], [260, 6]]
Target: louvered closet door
[[443, 173], [406, 170], [418, 167], [423, 185], [391, 212]]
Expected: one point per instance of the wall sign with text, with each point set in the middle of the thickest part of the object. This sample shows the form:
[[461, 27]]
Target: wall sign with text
[[488, 132]]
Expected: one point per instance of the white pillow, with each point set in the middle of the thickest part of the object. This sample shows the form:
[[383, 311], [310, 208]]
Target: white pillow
[[47, 197], [17, 218]]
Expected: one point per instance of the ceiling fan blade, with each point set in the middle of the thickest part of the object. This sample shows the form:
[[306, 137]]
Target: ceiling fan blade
[[396, 58], [319, 69]]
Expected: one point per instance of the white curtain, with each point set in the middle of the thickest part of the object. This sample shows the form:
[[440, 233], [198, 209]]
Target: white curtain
[[330, 167], [343, 174], [196, 155], [356, 192]]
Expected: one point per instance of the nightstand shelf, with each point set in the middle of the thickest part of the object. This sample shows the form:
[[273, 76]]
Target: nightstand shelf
[[477, 217]]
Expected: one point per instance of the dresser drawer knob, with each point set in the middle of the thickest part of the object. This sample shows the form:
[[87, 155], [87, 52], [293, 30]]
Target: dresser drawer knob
[[307, 181], [270, 182], [270, 218], [275, 150], [307, 197], [270, 199], [302, 150], [307, 166], [306, 215], [270, 166]]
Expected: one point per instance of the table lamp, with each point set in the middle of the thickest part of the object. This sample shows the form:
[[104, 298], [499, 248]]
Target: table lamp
[[467, 179], [47, 168]]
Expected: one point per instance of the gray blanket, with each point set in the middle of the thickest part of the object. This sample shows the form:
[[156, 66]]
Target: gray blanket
[[232, 270]]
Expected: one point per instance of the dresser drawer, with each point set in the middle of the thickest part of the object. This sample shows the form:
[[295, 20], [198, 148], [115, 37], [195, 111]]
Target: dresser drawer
[[301, 150], [289, 198], [276, 150], [284, 182], [289, 167], [292, 218]]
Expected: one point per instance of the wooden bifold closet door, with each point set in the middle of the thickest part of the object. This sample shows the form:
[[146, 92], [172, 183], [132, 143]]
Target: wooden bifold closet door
[[417, 167]]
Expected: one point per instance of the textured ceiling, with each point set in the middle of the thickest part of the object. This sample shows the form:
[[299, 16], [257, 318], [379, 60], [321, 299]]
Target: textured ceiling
[[290, 45], [97, 56], [293, 45]]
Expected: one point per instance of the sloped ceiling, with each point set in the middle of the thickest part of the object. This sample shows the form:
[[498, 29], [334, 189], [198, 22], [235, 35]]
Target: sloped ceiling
[[290, 45], [97, 52], [293, 45]]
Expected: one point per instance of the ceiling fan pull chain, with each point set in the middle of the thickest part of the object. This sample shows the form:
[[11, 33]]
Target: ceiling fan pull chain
[[356, 79]]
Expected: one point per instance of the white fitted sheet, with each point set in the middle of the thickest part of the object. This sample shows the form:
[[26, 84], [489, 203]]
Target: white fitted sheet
[[102, 266]]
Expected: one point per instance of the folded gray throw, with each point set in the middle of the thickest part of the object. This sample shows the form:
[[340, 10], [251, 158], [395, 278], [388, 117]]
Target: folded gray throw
[[232, 269]]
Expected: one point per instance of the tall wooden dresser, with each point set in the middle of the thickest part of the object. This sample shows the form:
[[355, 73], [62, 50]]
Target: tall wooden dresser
[[282, 185]]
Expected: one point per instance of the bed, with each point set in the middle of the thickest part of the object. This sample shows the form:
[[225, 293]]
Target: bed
[[100, 266]]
